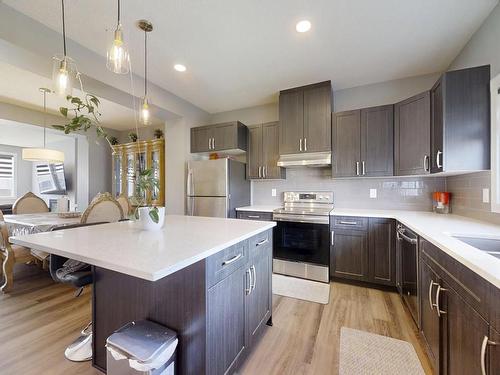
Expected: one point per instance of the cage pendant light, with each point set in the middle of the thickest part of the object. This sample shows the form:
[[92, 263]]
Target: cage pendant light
[[43, 154], [145, 114], [118, 58], [63, 69]]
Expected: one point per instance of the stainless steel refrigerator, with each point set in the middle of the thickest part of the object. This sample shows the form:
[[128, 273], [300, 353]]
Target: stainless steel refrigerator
[[216, 188]]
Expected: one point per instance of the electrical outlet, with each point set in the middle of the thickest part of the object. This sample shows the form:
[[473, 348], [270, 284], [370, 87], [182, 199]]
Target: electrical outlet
[[486, 195], [373, 193], [273, 192]]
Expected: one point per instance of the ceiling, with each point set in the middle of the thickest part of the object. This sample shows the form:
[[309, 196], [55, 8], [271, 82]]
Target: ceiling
[[20, 87], [240, 53]]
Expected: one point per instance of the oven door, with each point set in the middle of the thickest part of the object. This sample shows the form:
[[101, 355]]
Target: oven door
[[302, 242]]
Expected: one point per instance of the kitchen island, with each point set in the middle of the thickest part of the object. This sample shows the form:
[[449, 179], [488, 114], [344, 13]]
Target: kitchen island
[[209, 279]]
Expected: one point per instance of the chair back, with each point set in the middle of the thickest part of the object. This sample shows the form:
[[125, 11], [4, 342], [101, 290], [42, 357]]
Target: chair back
[[125, 204], [29, 203], [103, 208], [4, 236]]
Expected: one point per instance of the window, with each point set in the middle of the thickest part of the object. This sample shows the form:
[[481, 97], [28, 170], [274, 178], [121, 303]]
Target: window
[[7, 176], [495, 143]]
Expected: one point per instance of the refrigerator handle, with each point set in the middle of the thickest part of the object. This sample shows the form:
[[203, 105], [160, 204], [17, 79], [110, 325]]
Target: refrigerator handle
[[190, 183]]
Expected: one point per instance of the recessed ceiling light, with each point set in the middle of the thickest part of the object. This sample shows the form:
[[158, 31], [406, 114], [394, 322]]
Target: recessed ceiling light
[[303, 26], [180, 67]]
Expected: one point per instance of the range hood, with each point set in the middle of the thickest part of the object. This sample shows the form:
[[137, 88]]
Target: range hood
[[311, 159]]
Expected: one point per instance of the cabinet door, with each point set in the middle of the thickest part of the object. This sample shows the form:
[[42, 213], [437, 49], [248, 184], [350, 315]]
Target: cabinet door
[[317, 118], [291, 112], [346, 144], [254, 155], [465, 330], [258, 303], [437, 127], [225, 136], [381, 249], [412, 121], [493, 353], [377, 141], [350, 254], [226, 323], [429, 320], [200, 139], [270, 151]]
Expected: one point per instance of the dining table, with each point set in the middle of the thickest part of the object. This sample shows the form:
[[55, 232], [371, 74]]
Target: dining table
[[20, 224]]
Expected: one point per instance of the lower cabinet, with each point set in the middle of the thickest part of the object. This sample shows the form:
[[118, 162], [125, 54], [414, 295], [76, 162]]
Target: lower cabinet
[[239, 306], [493, 343], [366, 252]]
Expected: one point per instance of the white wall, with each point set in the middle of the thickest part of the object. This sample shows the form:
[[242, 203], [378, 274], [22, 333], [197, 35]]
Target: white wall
[[249, 116]]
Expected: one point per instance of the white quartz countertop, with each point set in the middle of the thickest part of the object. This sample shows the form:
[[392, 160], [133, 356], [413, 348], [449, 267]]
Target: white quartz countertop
[[125, 248], [258, 208], [438, 230]]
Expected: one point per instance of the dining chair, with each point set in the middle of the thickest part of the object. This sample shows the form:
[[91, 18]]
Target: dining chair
[[29, 203], [103, 208], [125, 204], [10, 255]]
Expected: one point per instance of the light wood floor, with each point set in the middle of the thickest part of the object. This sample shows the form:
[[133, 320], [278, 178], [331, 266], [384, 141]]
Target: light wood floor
[[39, 318]]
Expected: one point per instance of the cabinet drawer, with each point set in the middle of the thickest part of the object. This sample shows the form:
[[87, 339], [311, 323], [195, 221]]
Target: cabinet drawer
[[495, 308], [226, 261], [261, 242], [255, 215], [350, 222], [469, 285]]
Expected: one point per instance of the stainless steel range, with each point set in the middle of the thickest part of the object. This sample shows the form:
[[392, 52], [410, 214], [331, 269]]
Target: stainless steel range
[[302, 236]]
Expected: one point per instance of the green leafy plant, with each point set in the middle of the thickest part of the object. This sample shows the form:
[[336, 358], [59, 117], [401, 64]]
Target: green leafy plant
[[146, 182], [132, 136], [158, 133], [113, 140]]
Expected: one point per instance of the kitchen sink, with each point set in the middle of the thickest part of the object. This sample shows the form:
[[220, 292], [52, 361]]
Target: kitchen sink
[[488, 245]]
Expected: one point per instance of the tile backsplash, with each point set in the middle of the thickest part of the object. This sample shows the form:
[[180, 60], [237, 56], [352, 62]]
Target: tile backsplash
[[399, 193]]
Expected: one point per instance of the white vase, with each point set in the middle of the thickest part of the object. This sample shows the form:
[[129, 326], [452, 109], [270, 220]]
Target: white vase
[[147, 223]]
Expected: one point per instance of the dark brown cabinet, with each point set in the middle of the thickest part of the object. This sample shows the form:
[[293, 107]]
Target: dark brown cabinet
[[363, 142], [460, 137], [412, 126], [263, 152], [230, 136], [305, 119], [254, 215], [492, 360], [382, 251], [363, 249]]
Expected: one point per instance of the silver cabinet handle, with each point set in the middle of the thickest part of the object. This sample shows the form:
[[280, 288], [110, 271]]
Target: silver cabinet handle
[[213, 143], [357, 168], [431, 285], [438, 309], [439, 154], [264, 171], [253, 216], [209, 143], [232, 260], [249, 289], [363, 170], [426, 163], [332, 236], [300, 144], [347, 222], [486, 342], [260, 173], [254, 278], [260, 243], [305, 144]]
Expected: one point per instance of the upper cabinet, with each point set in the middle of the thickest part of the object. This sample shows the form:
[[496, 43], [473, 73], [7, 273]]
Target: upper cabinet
[[363, 142], [305, 119], [412, 124], [263, 152], [460, 107], [230, 136]]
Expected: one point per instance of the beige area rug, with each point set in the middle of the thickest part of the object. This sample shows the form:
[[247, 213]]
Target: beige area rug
[[364, 353], [306, 290]]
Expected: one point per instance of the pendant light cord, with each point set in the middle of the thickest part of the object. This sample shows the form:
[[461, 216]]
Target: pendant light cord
[[118, 12], [44, 119], [63, 28], [145, 63]]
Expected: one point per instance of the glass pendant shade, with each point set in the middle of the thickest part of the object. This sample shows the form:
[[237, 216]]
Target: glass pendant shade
[[145, 114], [117, 55], [43, 155], [63, 75]]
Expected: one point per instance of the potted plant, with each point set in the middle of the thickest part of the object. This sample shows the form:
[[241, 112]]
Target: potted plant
[[158, 134], [86, 115]]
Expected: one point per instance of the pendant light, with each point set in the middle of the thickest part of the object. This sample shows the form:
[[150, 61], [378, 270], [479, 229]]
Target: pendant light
[[43, 154], [117, 56], [63, 69], [145, 116]]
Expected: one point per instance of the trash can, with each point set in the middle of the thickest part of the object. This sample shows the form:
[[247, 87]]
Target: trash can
[[141, 348]]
